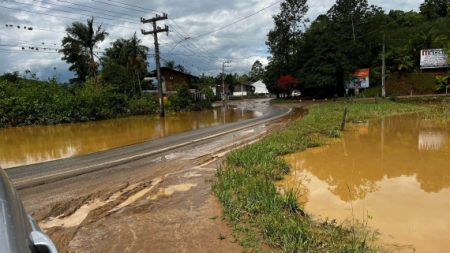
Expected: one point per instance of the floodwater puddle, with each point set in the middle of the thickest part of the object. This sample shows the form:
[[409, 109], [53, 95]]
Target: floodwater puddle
[[169, 191], [395, 170], [34, 144]]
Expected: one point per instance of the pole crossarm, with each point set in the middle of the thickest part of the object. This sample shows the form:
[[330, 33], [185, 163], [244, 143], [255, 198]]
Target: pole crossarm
[[158, 30], [156, 18]]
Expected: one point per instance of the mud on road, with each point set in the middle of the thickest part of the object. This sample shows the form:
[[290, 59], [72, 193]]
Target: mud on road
[[161, 203]]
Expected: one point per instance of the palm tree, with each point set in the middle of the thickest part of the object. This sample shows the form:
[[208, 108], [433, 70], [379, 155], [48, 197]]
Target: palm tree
[[131, 55], [81, 39], [169, 64], [137, 58]]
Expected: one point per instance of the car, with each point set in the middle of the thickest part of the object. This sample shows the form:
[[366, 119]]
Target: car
[[296, 93], [19, 232]]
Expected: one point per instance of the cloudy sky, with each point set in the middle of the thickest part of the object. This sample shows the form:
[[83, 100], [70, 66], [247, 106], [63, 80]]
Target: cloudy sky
[[198, 39]]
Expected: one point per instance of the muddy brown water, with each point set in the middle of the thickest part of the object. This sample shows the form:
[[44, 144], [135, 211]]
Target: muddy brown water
[[34, 144], [393, 172]]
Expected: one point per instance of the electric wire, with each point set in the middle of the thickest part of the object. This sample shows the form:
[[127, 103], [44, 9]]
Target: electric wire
[[65, 17], [237, 21]]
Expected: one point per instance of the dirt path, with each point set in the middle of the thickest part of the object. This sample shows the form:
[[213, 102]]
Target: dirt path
[[157, 204]]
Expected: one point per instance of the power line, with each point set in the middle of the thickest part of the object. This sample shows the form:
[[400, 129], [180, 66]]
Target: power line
[[186, 39], [58, 16], [128, 8], [237, 21], [135, 6], [211, 57], [96, 8], [49, 8], [113, 17], [33, 48]]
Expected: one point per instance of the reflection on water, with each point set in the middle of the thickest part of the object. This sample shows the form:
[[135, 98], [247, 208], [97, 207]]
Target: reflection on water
[[32, 144], [397, 170], [432, 140]]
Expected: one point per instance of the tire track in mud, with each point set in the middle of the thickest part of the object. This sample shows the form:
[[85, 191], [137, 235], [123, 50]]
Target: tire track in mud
[[65, 219]]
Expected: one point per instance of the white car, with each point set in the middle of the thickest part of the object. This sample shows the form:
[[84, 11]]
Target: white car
[[19, 233], [296, 93]]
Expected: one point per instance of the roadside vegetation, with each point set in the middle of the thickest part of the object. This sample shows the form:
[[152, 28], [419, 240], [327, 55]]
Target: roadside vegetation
[[33, 102], [27, 102], [263, 215]]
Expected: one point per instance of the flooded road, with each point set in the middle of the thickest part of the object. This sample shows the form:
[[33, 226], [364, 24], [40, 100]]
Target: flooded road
[[34, 144], [394, 171]]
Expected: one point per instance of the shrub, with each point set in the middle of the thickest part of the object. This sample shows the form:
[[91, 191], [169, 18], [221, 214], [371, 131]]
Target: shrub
[[182, 100], [146, 104]]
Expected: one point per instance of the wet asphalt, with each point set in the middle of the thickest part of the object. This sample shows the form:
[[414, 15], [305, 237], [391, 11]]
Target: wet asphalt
[[47, 172]]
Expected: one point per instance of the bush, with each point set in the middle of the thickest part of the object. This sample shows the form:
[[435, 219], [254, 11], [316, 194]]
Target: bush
[[146, 104], [28, 102], [97, 101], [183, 101]]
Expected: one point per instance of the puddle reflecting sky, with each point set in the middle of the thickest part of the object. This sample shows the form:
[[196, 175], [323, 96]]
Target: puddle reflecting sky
[[32, 144], [397, 170]]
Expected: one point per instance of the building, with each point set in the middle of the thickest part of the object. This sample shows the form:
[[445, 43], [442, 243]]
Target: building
[[243, 90], [260, 88], [170, 79]]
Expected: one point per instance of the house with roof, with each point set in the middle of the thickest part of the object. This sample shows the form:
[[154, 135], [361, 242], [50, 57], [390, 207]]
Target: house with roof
[[170, 78]]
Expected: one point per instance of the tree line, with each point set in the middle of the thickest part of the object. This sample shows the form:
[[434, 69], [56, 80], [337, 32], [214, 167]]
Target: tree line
[[318, 55]]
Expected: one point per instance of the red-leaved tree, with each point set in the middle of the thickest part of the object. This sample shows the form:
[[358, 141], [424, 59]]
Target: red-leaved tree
[[286, 84]]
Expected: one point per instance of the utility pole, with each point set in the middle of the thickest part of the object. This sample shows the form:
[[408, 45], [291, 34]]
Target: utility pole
[[223, 81], [156, 30], [383, 69], [353, 29]]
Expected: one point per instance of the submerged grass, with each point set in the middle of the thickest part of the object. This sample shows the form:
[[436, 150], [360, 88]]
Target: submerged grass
[[263, 217]]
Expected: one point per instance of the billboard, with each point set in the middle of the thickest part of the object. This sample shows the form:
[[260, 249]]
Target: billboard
[[359, 79], [433, 58]]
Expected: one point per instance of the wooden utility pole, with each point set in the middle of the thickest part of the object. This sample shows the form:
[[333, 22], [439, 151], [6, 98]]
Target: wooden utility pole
[[156, 30], [383, 69], [223, 81], [353, 29]]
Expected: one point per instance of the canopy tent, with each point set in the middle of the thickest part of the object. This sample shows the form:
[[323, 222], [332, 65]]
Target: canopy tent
[[260, 88]]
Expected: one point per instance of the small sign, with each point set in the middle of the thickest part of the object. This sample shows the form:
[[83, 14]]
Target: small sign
[[433, 58], [358, 80]]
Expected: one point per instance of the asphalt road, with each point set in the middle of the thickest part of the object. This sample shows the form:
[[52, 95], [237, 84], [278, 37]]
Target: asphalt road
[[42, 173]]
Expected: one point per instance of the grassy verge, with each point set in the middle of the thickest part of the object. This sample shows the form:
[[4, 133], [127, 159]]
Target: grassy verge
[[264, 218]]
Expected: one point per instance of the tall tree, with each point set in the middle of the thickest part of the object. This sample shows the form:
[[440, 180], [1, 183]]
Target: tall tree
[[288, 23], [433, 9], [78, 46], [125, 64], [283, 40], [257, 71], [173, 65], [170, 64]]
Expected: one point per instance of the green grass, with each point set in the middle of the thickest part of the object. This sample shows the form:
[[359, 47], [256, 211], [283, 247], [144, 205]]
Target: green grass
[[262, 217]]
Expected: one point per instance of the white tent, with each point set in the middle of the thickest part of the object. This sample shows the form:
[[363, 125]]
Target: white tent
[[260, 88]]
